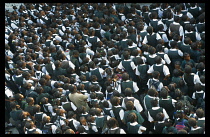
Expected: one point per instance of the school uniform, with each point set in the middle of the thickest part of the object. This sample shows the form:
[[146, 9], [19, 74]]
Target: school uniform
[[177, 28], [93, 129], [158, 127], [118, 112], [116, 130], [151, 39], [146, 17], [147, 102], [30, 131], [154, 111], [175, 55], [169, 105], [128, 66], [91, 40], [98, 33], [73, 124], [191, 80], [134, 128], [140, 119], [201, 121], [162, 69], [128, 84], [198, 27], [98, 72], [198, 94], [158, 84], [136, 102], [123, 43], [141, 71], [164, 56], [154, 23]]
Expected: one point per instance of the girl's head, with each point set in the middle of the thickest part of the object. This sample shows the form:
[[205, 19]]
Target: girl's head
[[186, 56], [160, 116], [129, 105], [178, 93], [83, 121], [154, 102], [200, 113], [112, 123], [150, 30], [164, 92], [192, 122], [151, 50], [132, 117]]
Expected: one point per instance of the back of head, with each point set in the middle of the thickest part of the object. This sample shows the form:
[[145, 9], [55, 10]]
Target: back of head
[[188, 69], [154, 102], [150, 30], [158, 59], [129, 105], [156, 74], [132, 117], [192, 122], [200, 113], [125, 76], [152, 92], [160, 116], [151, 50], [128, 92]]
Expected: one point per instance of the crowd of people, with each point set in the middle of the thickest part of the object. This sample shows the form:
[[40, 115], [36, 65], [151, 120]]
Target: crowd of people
[[105, 68]]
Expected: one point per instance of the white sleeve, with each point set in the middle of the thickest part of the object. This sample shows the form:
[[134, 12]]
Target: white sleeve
[[98, 39], [193, 96], [119, 88], [121, 113], [63, 29], [135, 87], [150, 70], [160, 86], [165, 38], [163, 61], [167, 59], [50, 108], [181, 31], [198, 36], [137, 72], [150, 119], [189, 15], [158, 36], [120, 66], [102, 32], [94, 128], [138, 105], [61, 32], [173, 102], [180, 53], [76, 124], [112, 113], [122, 131], [73, 106], [165, 114], [196, 79], [133, 66], [123, 104], [145, 40], [165, 70], [71, 64], [89, 51], [14, 26]]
